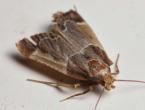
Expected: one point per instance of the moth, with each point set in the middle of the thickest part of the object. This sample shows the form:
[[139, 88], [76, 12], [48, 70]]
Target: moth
[[72, 48]]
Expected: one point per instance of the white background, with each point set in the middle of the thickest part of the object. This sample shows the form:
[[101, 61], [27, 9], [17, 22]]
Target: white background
[[120, 26]]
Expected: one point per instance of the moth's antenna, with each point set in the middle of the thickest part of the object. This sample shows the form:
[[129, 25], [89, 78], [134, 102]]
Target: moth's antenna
[[123, 80], [99, 98]]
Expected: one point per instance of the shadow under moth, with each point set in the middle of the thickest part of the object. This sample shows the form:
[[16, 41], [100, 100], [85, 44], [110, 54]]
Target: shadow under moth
[[72, 48]]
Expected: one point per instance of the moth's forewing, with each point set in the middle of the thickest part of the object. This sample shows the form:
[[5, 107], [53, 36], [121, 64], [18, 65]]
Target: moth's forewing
[[61, 48], [87, 33]]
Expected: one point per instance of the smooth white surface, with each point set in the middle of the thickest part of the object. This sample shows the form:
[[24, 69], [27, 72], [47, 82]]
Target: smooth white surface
[[120, 26]]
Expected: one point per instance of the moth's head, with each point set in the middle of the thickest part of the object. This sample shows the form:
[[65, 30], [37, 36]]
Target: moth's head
[[108, 80]]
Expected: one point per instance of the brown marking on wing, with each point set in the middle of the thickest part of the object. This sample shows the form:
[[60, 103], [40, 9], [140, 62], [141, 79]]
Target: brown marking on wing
[[103, 55], [26, 47], [70, 15], [95, 66]]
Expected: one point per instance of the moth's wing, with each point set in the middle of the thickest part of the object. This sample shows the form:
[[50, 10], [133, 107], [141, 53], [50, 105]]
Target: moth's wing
[[63, 18], [31, 51], [49, 49], [67, 36], [76, 28]]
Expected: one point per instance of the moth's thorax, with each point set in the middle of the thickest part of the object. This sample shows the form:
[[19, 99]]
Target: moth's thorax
[[106, 80]]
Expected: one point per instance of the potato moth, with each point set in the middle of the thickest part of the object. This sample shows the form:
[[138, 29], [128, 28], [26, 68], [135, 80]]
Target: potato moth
[[72, 48]]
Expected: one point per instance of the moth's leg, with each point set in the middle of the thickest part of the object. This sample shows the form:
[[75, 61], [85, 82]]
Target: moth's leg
[[56, 84], [116, 69], [78, 94]]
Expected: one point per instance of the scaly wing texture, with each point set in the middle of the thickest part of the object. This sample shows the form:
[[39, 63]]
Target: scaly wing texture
[[58, 47]]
